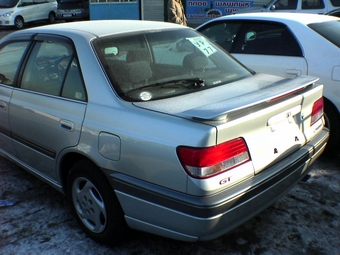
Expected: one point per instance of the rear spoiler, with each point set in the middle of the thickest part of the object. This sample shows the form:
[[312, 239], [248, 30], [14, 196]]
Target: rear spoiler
[[220, 110], [215, 104]]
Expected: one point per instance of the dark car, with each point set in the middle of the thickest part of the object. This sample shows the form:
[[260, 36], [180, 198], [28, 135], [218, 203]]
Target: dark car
[[73, 10], [335, 13]]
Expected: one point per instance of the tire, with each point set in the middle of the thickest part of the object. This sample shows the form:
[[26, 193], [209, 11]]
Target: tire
[[332, 118], [95, 204], [19, 22], [51, 18]]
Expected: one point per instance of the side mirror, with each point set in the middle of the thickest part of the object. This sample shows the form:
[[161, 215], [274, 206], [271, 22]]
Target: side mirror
[[272, 8], [250, 36]]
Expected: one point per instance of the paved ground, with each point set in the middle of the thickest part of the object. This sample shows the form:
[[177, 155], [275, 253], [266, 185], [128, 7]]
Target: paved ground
[[305, 221]]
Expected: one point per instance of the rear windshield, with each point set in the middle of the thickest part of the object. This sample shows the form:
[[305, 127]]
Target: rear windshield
[[162, 64], [329, 30]]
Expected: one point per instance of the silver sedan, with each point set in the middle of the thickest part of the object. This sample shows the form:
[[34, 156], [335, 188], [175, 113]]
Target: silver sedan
[[151, 126]]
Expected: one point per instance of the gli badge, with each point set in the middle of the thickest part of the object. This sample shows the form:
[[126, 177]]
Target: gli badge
[[225, 180]]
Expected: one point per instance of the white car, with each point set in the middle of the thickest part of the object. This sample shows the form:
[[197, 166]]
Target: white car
[[303, 6], [18, 12], [287, 44]]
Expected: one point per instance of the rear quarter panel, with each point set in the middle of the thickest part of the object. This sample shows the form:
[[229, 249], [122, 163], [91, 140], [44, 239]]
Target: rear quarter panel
[[147, 142], [323, 62]]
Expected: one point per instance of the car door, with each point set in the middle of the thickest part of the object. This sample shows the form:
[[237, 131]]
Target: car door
[[40, 12], [47, 110], [266, 47], [28, 9], [43, 9], [11, 55], [285, 6]]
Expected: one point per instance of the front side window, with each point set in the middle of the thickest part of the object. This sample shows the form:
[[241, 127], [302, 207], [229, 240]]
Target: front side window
[[53, 69], [10, 58], [27, 2], [222, 33], [286, 5], [156, 65]]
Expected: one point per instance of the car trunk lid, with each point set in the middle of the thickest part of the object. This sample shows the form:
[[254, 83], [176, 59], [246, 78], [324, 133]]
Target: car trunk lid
[[273, 115]]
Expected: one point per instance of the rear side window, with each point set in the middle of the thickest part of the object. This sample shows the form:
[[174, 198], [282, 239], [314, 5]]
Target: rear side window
[[312, 4], [53, 69], [266, 38], [243, 37], [10, 58], [327, 30], [335, 3]]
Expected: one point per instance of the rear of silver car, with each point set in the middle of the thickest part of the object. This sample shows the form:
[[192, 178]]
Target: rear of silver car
[[204, 144], [268, 138], [171, 136]]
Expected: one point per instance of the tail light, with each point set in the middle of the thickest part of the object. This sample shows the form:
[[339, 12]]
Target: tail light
[[206, 162], [317, 111]]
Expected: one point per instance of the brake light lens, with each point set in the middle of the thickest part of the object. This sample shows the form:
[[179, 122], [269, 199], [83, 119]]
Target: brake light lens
[[287, 94], [317, 111], [206, 162]]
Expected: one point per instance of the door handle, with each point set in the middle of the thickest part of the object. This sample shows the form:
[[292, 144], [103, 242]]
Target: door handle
[[67, 125], [3, 105], [292, 72]]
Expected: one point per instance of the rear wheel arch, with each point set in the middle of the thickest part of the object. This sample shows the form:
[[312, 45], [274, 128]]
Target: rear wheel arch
[[66, 164], [332, 119], [94, 202]]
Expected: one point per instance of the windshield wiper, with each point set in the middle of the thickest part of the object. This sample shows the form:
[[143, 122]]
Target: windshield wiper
[[190, 83]]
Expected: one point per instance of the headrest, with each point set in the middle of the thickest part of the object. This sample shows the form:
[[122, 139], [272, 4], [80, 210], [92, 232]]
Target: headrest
[[195, 61], [138, 71], [130, 72], [138, 55]]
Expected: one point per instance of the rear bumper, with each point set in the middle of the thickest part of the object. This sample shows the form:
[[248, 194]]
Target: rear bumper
[[168, 213], [75, 15]]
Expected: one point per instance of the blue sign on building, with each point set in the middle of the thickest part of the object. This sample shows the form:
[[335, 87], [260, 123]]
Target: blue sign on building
[[115, 9], [204, 10]]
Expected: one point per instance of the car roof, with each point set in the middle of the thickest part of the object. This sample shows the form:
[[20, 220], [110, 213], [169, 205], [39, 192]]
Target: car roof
[[303, 18], [103, 27]]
